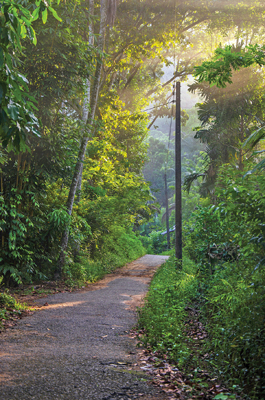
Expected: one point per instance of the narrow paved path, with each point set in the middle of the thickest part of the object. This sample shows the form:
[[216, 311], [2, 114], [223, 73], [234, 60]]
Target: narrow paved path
[[77, 347]]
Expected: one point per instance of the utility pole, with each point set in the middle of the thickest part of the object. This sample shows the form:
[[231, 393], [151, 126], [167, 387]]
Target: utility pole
[[178, 221], [167, 212]]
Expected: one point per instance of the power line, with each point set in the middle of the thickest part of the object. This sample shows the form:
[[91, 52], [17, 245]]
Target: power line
[[148, 109], [161, 105]]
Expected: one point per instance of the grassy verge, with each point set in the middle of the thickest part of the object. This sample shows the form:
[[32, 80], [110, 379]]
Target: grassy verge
[[211, 322], [164, 313]]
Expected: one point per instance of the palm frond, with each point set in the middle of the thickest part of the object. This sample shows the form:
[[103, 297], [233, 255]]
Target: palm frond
[[254, 138], [259, 167], [190, 178]]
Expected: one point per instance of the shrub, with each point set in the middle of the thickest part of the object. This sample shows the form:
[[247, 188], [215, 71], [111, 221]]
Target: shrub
[[119, 247]]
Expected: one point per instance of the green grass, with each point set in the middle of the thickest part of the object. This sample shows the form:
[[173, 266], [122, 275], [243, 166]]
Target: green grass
[[163, 315], [32, 290], [230, 301]]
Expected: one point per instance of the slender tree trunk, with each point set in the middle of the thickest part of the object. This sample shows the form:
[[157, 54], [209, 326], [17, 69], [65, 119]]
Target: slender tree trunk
[[84, 141], [86, 104], [241, 155]]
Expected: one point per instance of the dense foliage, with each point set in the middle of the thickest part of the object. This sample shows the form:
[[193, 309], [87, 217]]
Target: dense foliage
[[38, 165], [209, 316], [82, 83], [226, 243], [73, 129]]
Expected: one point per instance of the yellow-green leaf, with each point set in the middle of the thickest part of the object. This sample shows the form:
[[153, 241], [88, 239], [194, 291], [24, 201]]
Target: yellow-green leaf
[[35, 14], [44, 15], [23, 31], [54, 13]]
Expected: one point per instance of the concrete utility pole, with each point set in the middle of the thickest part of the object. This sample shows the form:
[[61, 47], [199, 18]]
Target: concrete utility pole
[[178, 228], [167, 212]]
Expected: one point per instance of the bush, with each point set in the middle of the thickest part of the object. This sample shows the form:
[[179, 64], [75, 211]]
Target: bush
[[119, 247], [157, 243], [9, 306], [226, 240], [235, 310]]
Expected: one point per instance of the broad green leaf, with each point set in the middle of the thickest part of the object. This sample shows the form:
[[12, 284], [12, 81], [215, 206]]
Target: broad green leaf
[[54, 13], [36, 132], [44, 16], [255, 137], [23, 31], [23, 78], [26, 12], [2, 57], [34, 36], [35, 14], [16, 91], [27, 22], [13, 111]]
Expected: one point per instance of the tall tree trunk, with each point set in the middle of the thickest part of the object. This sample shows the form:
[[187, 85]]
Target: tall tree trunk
[[85, 110], [90, 119]]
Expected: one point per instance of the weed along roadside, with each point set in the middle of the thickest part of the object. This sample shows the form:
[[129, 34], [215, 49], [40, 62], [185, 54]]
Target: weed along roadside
[[11, 311], [178, 342]]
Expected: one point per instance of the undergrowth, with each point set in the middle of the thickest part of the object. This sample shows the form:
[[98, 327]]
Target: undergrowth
[[163, 314], [230, 300], [119, 248], [9, 307]]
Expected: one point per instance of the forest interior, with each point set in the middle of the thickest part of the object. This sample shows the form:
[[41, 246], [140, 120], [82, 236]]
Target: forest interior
[[87, 172]]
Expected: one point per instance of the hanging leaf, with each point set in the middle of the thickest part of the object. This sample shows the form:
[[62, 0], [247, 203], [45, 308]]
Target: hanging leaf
[[2, 91], [13, 111], [54, 13], [35, 14], [2, 57], [44, 16]]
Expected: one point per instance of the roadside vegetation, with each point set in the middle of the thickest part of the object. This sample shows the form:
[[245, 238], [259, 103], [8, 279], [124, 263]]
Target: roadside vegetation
[[10, 310], [208, 316]]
